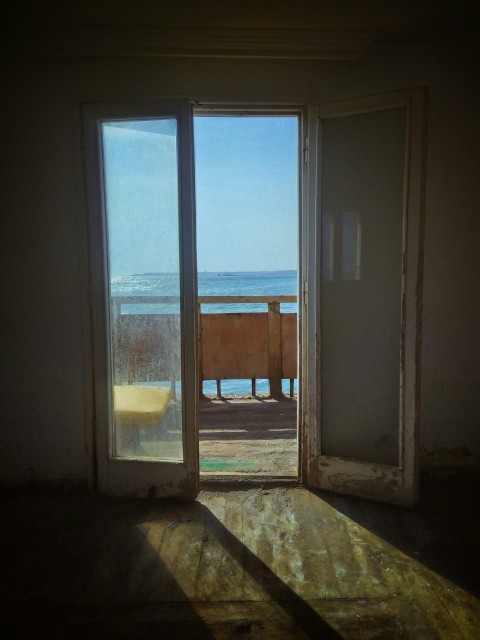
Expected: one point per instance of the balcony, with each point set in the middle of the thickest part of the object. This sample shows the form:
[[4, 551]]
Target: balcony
[[252, 345], [252, 433]]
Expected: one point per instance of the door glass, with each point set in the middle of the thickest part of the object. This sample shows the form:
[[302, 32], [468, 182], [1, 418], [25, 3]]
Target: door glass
[[142, 217], [361, 320]]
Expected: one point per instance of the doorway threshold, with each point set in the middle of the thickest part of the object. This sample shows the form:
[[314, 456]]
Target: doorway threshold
[[240, 482]]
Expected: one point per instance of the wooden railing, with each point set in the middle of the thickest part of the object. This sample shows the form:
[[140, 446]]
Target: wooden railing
[[247, 345]]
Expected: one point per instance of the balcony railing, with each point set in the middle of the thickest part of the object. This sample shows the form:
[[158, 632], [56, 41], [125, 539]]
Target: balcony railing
[[232, 345], [249, 345]]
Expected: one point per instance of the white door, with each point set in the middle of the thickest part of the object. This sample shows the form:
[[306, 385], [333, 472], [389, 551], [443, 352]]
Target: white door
[[364, 296], [139, 166]]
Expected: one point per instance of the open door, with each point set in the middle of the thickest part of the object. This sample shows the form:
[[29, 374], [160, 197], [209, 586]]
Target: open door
[[139, 166], [364, 306]]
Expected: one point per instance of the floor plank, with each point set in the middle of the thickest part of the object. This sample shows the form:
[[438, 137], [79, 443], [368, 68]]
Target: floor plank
[[260, 563]]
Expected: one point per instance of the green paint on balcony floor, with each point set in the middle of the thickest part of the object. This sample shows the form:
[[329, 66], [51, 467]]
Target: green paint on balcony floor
[[208, 465]]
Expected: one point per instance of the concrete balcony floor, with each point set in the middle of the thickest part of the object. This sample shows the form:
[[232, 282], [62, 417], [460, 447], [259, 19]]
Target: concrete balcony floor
[[245, 435]]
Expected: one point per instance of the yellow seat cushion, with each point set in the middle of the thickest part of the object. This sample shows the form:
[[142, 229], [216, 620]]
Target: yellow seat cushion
[[140, 406]]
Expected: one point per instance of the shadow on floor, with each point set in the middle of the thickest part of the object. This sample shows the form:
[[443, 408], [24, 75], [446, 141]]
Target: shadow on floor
[[441, 532], [96, 568], [248, 419]]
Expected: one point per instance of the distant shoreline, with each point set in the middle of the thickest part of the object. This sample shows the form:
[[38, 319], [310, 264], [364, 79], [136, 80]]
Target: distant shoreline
[[211, 273]]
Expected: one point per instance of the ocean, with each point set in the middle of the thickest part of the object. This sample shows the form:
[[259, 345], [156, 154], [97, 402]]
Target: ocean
[[238, 283]]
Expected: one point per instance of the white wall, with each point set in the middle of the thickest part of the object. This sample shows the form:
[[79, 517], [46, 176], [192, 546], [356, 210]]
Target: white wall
[[47, 409]]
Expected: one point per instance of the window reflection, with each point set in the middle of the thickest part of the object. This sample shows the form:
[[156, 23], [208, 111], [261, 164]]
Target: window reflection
[[351, 245], [341, 232]]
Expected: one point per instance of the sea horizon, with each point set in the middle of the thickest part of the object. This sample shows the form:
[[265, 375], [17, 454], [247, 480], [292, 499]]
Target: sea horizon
[[204, 271], [213, 283]]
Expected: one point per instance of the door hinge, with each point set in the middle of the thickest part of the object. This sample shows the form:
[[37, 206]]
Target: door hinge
[[305, 292], [306, 147]]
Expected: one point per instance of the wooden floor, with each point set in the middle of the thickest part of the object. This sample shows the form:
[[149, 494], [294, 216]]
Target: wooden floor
[[248, 436], [274, 563]]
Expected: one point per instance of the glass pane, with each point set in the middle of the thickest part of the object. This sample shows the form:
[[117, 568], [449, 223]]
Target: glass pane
[[142, 210], [363, 183]]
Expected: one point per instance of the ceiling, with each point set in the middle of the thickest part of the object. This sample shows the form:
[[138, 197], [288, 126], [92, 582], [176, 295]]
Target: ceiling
[[311, 29]]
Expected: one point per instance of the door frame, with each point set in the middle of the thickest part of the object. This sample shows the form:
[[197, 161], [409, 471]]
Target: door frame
[[302, 111], [309, 267]]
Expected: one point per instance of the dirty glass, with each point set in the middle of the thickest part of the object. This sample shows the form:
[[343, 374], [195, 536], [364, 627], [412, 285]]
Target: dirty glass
[[142, 230], [363, 226]]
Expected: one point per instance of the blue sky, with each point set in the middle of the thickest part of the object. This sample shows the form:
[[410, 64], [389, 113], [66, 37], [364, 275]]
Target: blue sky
[[247, 193], [246, 172]]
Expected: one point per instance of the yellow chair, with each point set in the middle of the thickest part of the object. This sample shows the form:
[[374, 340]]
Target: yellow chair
[[144, 357], [137, 407]]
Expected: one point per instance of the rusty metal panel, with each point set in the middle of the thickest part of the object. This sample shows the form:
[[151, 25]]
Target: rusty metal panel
[[289, 345], [234, 345]]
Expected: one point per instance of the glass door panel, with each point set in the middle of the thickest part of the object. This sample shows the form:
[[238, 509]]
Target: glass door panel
[[142, 217], [363, 183], [364, 297]]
